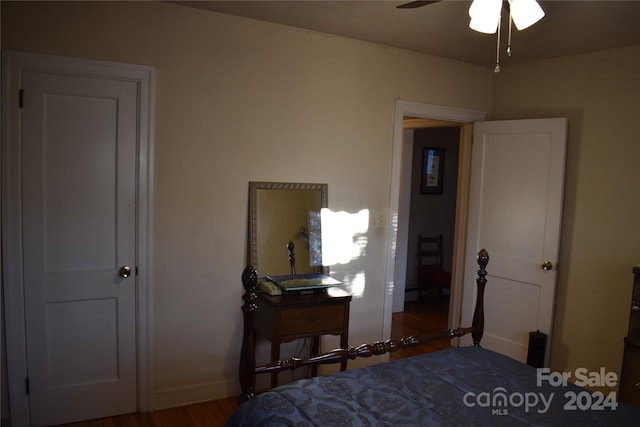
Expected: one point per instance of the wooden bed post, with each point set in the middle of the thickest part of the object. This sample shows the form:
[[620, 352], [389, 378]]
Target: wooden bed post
[[478, 313], [292, 257], [247, 368]]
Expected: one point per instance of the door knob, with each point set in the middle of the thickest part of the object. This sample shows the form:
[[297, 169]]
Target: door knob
[[124, 271], [547, 266]]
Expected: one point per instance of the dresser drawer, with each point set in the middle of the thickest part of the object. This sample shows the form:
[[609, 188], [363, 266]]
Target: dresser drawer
[[312, 320], [629, 392], [631, 356], [630, 387]]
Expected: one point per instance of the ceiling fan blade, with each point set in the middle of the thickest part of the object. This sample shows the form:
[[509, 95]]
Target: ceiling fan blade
[[415, 4]]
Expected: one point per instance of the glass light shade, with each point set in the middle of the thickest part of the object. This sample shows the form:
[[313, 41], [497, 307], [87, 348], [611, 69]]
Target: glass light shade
[[485, 15], [525, 13], [487, 26], [481, 8]]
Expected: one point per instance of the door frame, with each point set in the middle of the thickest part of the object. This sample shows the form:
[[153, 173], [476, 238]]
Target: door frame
[[13, 64], [398, 233]]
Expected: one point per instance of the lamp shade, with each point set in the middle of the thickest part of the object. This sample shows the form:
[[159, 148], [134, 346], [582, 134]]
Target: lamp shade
[[485, 15], [525, 13]]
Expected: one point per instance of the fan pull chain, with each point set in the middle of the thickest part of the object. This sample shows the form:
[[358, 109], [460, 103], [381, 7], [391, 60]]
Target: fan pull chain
[[509, 41], [497, 68]]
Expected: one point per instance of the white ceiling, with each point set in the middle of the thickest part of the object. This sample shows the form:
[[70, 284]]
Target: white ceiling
[[441, 28]]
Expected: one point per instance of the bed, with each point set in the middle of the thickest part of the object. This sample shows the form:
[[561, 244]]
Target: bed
[[466, 386]]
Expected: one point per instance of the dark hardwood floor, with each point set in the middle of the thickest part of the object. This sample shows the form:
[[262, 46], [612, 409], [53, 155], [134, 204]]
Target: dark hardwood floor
[[425, 317], [418, 318]]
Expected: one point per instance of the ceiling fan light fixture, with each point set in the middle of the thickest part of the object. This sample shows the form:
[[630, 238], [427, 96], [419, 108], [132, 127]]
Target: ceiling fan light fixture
[[487, 26], [485, 15], [525, 13]]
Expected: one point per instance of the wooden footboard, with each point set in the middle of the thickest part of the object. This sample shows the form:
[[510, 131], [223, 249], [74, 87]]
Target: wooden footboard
[[248, 369]]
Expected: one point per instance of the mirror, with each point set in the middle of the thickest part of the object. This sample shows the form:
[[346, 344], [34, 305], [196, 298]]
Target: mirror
[[280, 213]]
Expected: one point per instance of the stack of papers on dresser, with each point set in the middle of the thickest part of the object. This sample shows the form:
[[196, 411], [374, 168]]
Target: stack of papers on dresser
[[302, 284]]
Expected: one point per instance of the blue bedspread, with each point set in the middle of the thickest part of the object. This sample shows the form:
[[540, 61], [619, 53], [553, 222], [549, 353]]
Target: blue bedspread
[[467, 386]]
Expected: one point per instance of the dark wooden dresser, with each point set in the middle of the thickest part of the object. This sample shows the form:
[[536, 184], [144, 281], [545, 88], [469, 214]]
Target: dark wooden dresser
[[630, 375], [286, 318]]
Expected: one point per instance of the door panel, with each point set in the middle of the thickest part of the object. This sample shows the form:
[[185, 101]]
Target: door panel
[[94, 323], [515, 211], [79, 157], [79, 215]]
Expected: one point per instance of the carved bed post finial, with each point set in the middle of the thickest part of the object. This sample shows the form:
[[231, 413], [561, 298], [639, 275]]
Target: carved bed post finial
[[247, 368], [478, 313], [292, 257]]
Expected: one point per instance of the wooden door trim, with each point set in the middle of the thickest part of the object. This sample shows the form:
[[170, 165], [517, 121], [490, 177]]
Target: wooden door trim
[[14, 63], [397, 226]]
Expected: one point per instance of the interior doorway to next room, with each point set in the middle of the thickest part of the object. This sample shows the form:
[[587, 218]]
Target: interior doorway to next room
[[435, 147]]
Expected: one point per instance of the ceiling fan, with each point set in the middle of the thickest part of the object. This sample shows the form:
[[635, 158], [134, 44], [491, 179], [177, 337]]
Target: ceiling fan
[[485, 16], [415, 4]]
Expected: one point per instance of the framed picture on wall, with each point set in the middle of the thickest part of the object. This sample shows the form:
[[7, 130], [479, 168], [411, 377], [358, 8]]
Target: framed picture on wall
[[432, 173]]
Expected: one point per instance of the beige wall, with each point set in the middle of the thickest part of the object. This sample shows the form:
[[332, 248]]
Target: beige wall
[[238, 101], [599, 93]]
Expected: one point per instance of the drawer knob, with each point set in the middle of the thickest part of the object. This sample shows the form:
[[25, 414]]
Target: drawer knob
[[313, 318], [638, 386]]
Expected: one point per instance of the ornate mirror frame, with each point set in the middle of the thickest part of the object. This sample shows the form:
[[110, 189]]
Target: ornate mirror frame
[[254, 188]]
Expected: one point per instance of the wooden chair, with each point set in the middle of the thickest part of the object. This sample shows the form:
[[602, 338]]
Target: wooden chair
[[431, 273]]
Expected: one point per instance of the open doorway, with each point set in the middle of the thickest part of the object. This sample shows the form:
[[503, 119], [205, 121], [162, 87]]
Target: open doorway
[[435, 150], [406, 116]]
